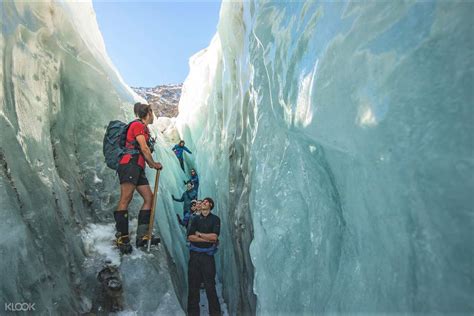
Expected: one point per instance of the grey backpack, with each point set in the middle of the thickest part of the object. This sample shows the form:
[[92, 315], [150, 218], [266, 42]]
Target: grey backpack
[[114, 143]]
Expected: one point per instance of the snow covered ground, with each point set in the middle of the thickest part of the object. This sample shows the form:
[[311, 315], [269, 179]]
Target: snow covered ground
[[98, 240], [146, 276]]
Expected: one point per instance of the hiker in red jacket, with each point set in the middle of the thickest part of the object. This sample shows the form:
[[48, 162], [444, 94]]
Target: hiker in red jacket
[[131, 172]]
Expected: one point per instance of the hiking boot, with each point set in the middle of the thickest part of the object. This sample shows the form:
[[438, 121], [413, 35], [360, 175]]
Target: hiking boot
[[121, 224], [123, 244], [143, 242], [142, 230]]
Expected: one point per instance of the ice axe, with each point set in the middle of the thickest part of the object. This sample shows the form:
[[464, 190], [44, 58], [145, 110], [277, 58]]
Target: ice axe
[[152, 214]]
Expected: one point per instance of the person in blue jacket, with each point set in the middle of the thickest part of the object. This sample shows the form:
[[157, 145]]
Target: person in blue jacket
[[178, 151], [186, 221], [188, 196], [194, 180]]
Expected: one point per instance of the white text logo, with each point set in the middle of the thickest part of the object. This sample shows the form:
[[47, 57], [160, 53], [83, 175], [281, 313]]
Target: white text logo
[[19, 307]]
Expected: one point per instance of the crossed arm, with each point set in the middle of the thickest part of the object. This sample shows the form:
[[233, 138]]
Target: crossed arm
[[201, 237]]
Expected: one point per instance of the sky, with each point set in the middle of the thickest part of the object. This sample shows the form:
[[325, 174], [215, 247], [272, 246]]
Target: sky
[[150, 42]]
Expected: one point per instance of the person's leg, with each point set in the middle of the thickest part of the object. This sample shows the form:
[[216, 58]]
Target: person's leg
[[147, 195], [144, 216], [194, 280], [126, 195], [121, 217], [181, 163], [208, 268]]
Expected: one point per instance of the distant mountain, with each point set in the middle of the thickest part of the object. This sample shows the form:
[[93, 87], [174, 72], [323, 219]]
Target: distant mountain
[[164, 99]]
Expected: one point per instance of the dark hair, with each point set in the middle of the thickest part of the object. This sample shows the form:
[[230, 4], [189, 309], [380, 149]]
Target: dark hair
[[141, 110], [135, 107], [210, 201], [181, 141], [193, 202]]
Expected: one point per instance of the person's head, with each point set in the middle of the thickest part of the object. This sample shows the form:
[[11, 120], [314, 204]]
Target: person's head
[[193, 172], [207, 204], [135, 108], [193, 205], [144, 112], [189, 186], [198, 205], [181, 143]]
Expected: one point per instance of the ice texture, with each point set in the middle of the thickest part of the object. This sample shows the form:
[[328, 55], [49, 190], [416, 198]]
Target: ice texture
[[146, 277], [337, 141], [335, 138], [59, 91]]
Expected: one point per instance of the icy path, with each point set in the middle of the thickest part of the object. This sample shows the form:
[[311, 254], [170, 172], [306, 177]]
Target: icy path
[[147, 283], [204, 307]]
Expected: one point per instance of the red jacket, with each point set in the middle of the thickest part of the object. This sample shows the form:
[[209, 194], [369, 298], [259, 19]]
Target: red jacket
[[135, 129]]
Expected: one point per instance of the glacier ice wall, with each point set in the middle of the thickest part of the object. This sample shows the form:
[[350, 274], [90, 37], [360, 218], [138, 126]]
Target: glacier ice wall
[[337, 141], [57, 96], [58, 92]]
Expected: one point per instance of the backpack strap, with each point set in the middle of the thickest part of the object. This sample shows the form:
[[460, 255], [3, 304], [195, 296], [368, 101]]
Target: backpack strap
[[134, 143]]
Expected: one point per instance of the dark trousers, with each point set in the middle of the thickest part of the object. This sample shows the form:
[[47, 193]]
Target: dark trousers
[[181, 163], [202, 268]]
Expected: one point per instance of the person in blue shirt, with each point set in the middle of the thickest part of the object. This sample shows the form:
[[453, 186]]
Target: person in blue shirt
[[186, 221], [188, 196], [178, 151], [194, 180], [195, 212]]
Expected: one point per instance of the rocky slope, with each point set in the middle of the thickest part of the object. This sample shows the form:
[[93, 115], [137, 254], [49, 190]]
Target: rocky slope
[[164, 99]]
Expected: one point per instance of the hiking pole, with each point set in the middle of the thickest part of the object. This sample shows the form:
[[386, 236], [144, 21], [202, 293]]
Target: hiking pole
[[152, 214]]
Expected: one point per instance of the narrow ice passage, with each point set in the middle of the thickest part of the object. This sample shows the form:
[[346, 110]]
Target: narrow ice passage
[[335, 138]]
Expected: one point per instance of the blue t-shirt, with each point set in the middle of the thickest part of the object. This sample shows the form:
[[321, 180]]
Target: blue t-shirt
[[178, 151]]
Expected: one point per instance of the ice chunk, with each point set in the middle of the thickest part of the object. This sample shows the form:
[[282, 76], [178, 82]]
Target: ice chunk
[[98, 240]]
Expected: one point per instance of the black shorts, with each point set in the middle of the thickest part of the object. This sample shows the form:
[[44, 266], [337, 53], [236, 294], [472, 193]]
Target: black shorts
[[132, 173]]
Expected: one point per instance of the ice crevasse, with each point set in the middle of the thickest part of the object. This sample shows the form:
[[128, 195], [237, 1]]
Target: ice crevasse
[[336, 139]]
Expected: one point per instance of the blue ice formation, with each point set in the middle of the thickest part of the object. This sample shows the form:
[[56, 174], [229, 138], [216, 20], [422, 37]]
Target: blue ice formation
[[335, 137]]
